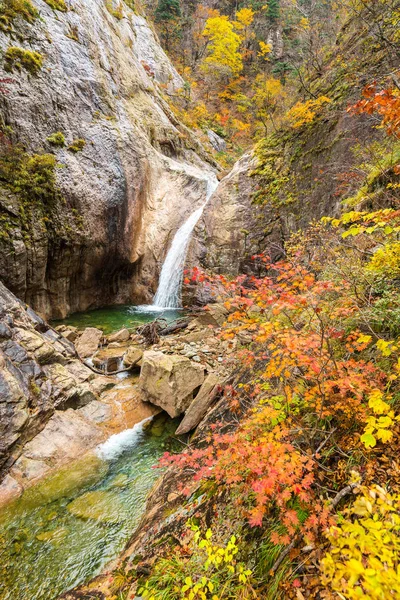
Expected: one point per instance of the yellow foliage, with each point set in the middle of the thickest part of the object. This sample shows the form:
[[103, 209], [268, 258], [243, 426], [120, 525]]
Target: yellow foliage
[[378, 427], [364, 559], [223, 48], [303, 113], [244, 18], [386, 260], [265, 49]]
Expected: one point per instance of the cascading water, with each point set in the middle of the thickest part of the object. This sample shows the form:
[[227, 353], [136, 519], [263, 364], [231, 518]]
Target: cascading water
[[169, 289]]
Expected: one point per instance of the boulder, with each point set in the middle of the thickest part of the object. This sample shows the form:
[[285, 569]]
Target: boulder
[[198, 408], [168, 381], [218, 312], [133, 355], [119, 336], [70, 334], [216, 141], [88, 342]]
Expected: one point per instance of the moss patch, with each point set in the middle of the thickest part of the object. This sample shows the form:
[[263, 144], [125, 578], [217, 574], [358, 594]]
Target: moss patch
[[57, 5], [114, 10], [77, 145], [57, 139], [19, 58]]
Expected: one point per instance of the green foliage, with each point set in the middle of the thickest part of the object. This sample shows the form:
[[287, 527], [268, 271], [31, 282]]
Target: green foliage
[[167, 10], [168, 17], [273, 11], [57, 5], [57, 139], [77, 145], [10, 10], [19, 58]]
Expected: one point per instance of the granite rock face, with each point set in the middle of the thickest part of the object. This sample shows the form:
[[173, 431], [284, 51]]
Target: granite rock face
[[39, 377], [232, 229], [137, 177]]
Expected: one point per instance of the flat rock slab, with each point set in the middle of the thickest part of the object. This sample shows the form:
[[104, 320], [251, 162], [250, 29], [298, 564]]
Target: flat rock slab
[[169, 381]]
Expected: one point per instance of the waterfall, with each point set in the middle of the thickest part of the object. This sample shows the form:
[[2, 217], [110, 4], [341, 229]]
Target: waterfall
[[169, 289]]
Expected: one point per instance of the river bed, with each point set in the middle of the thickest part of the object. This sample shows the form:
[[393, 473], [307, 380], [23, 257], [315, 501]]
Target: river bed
[[63, 531]]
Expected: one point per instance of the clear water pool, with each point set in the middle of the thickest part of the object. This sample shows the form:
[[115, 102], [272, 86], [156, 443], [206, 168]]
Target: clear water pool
[[113, 318], [61, 532]]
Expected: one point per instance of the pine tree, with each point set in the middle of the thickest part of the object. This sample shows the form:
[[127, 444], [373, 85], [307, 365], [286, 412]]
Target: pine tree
[[273, 10], [167, 15], [167, 10]]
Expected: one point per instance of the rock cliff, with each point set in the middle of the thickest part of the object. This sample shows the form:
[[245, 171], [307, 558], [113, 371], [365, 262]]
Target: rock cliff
[[92, 226]]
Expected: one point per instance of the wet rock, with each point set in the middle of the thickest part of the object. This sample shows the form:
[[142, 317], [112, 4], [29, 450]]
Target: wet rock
[[120, 336], [169, 381], [66, 435], [101, 384], [9, 489], [200, 405], [96, 411], [100, 505], [29, 469], [88, 342], [133, 355]]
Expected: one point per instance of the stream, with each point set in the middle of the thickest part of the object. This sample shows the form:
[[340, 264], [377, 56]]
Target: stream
[[62, 531]]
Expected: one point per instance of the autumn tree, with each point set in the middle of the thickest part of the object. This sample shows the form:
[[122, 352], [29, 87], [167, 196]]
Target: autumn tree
[[167, 15], [268, 97], [223, 57]]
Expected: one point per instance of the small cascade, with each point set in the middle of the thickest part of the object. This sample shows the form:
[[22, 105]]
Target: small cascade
[[169, 289], [120, 442]]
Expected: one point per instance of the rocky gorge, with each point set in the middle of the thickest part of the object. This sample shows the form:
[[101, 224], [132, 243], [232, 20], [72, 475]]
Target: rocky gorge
[[143, 297]]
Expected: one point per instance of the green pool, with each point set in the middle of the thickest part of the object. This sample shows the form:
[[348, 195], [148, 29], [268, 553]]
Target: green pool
[[64, 530], [113, 318]]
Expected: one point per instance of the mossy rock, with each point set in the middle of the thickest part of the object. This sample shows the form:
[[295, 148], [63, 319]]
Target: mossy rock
[[53, 535], [19, 58], [10, 10], [100, 505], [119, 481]]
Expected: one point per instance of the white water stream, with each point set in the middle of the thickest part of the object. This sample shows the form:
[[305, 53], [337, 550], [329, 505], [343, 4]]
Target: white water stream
[[169, 289]]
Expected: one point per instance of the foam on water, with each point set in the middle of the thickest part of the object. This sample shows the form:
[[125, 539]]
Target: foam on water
[[119, 442]]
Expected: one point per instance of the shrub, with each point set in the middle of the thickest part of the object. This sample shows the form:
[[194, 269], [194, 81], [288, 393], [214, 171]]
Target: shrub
[[77, 145], [115, 12], [57, 139], [57, 5], [19, 58]]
